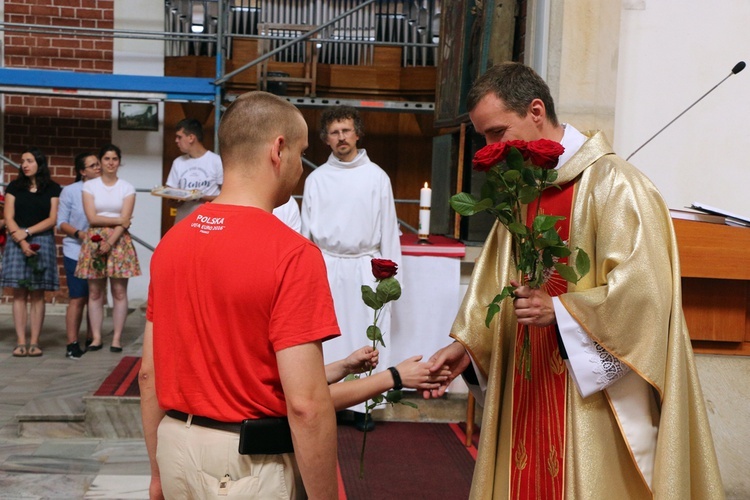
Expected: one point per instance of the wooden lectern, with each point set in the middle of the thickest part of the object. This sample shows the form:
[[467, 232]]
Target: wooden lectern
[[715, 268]]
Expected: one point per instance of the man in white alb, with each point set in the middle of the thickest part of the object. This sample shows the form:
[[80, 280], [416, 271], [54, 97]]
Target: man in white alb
[[349, 212], [197, 168]]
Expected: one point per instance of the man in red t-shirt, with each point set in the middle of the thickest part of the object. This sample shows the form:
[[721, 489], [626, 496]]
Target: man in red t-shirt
[[238, 307]]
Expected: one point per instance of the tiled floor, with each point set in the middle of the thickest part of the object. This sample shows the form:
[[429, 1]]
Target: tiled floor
[[63, 467], [54, 460]]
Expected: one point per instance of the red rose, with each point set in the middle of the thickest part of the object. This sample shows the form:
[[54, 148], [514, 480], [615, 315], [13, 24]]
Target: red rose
[[490, 155], [97, 238], [383, 268], [521, 146], [545, 153], [35, 247]]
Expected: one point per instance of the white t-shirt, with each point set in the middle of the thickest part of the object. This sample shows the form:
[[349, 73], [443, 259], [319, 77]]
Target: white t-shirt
[[288, 213], [108, 200], [204, 173]]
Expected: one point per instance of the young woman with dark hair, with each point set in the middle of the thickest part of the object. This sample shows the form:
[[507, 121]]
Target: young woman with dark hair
[[107, 250], [30, 261]]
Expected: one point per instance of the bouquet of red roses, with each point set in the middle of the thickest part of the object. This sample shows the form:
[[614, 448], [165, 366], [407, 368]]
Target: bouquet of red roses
[[518, 172]]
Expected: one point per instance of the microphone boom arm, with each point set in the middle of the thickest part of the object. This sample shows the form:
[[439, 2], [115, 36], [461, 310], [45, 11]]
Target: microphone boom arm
[[737, 68]]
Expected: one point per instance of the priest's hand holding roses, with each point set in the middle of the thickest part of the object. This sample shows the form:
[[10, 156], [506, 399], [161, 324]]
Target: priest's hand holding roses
[[533, 306]]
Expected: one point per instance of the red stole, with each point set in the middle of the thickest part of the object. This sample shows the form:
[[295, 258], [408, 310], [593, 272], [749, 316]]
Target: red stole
[[538, 436]]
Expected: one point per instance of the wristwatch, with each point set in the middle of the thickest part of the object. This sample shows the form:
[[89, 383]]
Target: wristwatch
[[75, 235], [28, 233]]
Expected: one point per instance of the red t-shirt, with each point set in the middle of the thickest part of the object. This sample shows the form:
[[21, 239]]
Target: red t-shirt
[[231, 286]]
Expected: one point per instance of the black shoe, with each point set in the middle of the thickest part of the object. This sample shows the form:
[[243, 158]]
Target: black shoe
[[73, 351], [94, 347], [89, 342], [115, 349], [363, 422]]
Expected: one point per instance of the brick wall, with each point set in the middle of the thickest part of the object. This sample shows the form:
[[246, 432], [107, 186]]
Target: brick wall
[[60, 126]]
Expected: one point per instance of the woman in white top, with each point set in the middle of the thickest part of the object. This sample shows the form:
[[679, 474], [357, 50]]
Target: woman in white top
[[107, 250]]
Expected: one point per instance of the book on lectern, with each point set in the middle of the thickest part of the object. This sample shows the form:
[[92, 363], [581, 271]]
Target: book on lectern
[[731, 219]]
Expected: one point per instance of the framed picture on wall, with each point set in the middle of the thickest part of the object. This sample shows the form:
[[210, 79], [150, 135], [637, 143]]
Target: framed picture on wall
[[138, 116]]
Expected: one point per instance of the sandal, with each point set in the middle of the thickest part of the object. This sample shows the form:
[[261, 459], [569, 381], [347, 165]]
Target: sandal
[[34, 351], [20, 351]]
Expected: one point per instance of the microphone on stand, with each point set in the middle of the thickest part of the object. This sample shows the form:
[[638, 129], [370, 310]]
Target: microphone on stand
[[736, 69]]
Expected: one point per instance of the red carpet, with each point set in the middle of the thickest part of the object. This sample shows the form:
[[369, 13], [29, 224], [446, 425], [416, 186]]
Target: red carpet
[[123, 381], [406, 460], [402, 459]]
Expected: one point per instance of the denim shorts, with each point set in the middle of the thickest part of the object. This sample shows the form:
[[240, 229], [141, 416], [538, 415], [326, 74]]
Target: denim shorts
[[77, 287]]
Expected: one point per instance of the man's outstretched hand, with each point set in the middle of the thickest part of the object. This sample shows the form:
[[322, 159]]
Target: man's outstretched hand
[[452, 356]]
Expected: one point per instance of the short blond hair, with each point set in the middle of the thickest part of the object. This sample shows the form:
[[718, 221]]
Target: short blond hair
[[252, 121]]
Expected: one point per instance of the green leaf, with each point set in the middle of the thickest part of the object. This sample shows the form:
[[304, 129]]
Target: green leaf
[[492, 310], [583, 263], [351, 376], [546, 222], [518, 228], [374, 333], [377, 399], [465, 204], [512, 176], [559, 251], [409, 403], [547, 259], [552, 176], [388, 289], [370, 298], [527, 194], [394, 396], [514, 159], [566, 272], [530, 176]]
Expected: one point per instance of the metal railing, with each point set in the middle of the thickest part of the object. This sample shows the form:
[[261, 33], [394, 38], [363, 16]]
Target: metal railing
[[413, 25]]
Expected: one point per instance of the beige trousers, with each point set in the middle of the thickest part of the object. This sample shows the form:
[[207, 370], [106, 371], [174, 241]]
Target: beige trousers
[[201, 463]]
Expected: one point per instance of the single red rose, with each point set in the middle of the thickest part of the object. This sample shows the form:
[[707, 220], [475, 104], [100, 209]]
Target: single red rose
[[35, 247], [97, 238], [490, 155], [383, 268], [544, 153], [521, 146]]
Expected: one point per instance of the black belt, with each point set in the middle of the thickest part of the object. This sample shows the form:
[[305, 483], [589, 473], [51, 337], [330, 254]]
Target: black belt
[[263, 436], [206, 422]]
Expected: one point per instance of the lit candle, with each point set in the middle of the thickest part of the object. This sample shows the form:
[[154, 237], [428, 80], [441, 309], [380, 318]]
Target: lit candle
[[425, 202]]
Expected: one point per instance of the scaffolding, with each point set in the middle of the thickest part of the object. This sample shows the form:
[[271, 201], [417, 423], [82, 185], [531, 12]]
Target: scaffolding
[[346, 32]]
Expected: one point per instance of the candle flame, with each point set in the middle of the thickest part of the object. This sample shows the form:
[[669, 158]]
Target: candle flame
[[425, 185]]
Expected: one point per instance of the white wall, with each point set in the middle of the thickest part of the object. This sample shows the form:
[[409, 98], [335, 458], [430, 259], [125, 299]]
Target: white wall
[[671, 53], [141, 151]]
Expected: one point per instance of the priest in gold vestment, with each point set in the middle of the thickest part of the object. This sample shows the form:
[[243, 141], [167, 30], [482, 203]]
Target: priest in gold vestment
[[630, 420]]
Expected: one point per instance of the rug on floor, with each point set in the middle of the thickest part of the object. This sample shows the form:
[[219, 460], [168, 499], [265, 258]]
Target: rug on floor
[[123, 381], [406, 460]]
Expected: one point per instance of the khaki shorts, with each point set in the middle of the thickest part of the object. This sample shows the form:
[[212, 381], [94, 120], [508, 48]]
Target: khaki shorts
[[201, 463]]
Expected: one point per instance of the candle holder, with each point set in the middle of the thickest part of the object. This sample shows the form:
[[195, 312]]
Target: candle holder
[[423, 239]]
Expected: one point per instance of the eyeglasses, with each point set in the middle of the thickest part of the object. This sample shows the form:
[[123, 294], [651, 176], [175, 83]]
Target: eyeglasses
[[343, 133], [95, 166]]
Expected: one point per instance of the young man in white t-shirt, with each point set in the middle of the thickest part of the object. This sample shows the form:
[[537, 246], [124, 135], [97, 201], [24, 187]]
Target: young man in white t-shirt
[[197, 168]]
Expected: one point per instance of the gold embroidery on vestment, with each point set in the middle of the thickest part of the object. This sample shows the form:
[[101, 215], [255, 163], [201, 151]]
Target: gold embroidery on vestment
[[553, 464], [521, 456]]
